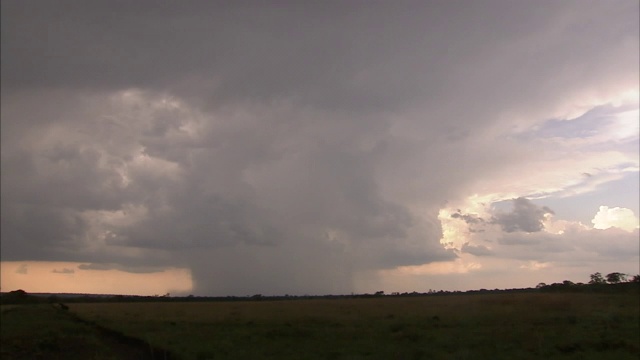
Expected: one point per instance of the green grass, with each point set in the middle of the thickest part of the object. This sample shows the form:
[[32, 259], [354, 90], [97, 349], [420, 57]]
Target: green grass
[[44, 332], [490, 326]]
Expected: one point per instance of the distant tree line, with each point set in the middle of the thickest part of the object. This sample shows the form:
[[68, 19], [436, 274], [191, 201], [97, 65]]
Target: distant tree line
[[611, 283], [597, 283], [613, 278]]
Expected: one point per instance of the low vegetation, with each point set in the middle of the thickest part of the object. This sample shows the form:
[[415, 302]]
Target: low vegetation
[[46, 332], [600, 320]]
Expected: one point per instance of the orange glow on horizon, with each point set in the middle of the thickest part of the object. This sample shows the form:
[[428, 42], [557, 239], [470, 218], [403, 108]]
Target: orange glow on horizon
[[65, 277]]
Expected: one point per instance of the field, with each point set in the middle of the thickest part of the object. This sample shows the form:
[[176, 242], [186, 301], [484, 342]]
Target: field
[[44, 332], [479, 326]]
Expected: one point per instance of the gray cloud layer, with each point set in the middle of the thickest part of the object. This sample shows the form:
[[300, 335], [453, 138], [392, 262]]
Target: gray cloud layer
[[525, 216], [281, 146]]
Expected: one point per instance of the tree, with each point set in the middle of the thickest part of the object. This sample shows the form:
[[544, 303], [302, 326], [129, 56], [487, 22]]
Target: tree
[[540, 285], [616, 277], [597, 278], [635, 278]]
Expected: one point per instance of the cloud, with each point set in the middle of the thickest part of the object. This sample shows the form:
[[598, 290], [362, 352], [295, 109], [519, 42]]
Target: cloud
[[562, 242], [129, 269], [438, 268], [477, 250], [213, 137], [468, 218], [525, 216], [23, 269], [574, 244], [63, 271], [615, 217], [535, 265]]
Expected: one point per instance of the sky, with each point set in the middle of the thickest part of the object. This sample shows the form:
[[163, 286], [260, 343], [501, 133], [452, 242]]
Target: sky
[[335, 147]]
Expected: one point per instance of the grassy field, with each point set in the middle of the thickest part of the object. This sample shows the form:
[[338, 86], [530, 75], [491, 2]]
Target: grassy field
[[44, 332], [482, 326]]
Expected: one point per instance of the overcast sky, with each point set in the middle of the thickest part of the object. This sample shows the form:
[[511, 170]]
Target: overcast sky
[[313, 147]]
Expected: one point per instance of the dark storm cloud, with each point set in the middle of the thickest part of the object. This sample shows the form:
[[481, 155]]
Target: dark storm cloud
[[525, 216], [275, 146], [344, 55], [38, 232]]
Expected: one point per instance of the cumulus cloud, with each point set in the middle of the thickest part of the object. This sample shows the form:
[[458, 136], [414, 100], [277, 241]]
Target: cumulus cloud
[[296, 150], [563, 243], [615, 217], [572, 244], [525, 216]]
